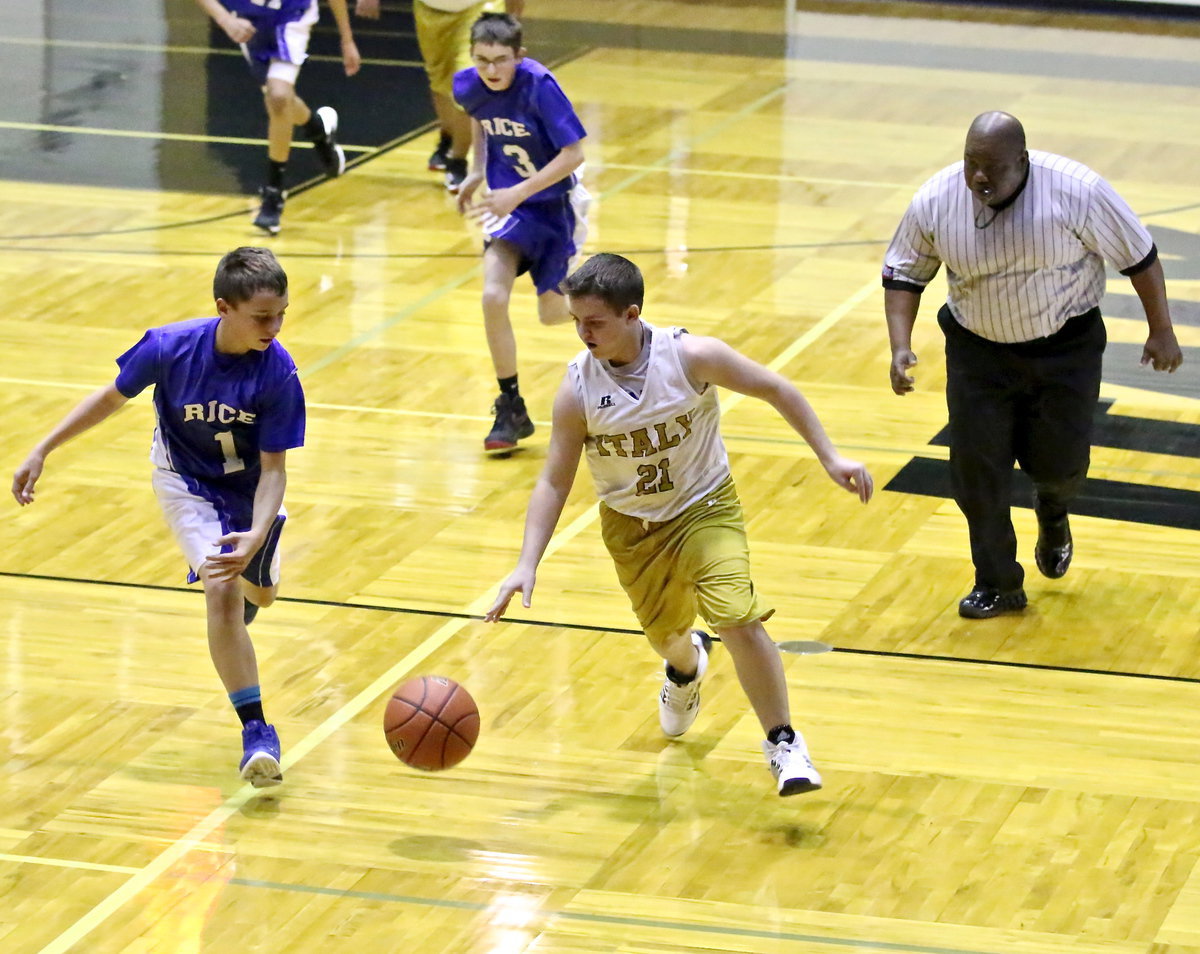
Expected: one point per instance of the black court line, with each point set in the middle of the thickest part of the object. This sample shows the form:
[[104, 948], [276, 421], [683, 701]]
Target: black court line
[[552, 624], [304, 601]]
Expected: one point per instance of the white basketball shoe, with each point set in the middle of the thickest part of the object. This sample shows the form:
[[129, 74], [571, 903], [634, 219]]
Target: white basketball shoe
[[793, 770], [678, 705]]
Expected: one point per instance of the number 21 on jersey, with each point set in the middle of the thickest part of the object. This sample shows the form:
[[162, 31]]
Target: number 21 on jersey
[[654, 478]]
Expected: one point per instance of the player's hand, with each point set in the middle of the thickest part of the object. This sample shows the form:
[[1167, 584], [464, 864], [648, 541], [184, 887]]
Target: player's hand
[[25, 477], [852, 476], [519, 581], [368, 9], [472, 182], [228, 566], [1162, 351], [238, 29], [499, 202], [902, 381], [351, 61]]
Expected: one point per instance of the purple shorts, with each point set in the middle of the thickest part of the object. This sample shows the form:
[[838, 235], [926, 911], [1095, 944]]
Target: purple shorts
[[548, 235]]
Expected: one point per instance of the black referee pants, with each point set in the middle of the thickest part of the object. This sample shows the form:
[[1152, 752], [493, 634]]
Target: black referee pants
[[1031, 403]]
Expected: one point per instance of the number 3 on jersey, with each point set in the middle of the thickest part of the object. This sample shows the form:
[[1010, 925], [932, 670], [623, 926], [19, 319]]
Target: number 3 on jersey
[[521, 162], [654, 478]]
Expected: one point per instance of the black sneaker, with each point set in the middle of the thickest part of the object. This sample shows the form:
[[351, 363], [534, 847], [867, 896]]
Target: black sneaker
[[456, 171], [512, 424], [437, 161], [328, 151], [270, 210], [984, 602], [1054, 548]]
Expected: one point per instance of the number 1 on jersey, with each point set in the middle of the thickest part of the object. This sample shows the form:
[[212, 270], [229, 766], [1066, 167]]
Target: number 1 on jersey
[[232, 463]]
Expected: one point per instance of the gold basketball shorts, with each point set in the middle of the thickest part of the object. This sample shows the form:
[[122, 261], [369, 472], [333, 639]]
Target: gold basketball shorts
[[698, 562], [444, 38]]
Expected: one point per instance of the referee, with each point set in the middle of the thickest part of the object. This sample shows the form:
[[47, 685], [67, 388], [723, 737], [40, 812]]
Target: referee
[[1024, 237]]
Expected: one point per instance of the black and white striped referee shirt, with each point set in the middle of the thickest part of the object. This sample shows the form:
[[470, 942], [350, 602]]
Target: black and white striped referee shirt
[[1019, 273]]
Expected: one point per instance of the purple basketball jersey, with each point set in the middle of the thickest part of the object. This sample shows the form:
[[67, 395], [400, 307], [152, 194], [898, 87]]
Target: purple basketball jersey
[[216, 411], [527, 124]]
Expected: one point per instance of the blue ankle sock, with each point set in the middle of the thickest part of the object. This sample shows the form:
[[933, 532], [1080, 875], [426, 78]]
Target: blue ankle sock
[[248, 704]]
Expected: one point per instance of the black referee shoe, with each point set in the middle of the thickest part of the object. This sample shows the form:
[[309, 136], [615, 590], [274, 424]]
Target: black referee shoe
[[984, 602], [1054, 548]]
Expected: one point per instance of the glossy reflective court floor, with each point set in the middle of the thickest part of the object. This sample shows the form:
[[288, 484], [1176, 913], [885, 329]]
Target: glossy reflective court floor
[[1024, 784]]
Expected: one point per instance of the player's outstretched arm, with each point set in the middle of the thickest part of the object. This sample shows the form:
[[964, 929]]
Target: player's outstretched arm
[[236, 28], [87, 413], [268, 498], [567, 436], [713, 361]]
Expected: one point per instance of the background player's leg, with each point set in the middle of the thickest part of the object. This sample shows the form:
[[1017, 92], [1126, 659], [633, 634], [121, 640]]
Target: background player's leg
[[455, 123], [456, 127], [500, 262], [279, 96], [552, 308], [285, 110]]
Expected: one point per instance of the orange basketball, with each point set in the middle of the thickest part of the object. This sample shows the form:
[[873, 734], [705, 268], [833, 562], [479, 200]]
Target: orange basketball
[[431, 723]]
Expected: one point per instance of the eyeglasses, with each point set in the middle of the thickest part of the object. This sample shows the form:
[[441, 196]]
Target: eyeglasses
[[483, 62]]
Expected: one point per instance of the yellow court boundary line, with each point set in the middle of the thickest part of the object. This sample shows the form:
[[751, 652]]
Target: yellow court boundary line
[[173, 137], [195, 50], [65, 863]]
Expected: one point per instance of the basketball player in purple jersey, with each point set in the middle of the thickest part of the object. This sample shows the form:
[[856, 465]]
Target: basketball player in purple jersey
[[273, 35], [229, 405], [529, 142]]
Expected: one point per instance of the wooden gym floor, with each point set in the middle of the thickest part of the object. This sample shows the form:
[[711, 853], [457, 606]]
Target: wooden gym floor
[[1026, 784]]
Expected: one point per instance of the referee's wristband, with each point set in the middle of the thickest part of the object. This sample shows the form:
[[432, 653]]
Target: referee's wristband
[[895, 284]]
